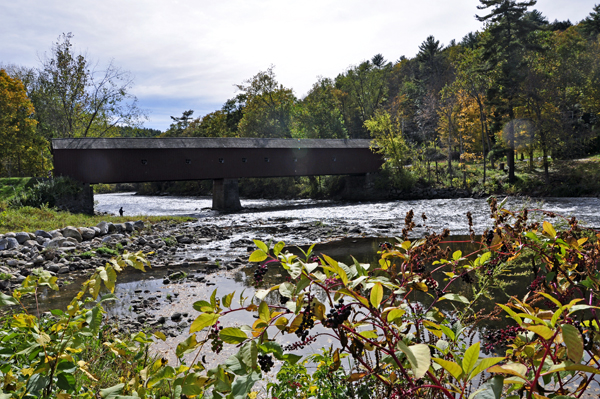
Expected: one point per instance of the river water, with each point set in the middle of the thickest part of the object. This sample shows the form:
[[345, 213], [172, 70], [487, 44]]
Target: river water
[[371, 217]]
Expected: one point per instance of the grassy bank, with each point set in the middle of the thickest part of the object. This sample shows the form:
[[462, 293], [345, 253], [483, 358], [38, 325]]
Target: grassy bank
[[32, 219]]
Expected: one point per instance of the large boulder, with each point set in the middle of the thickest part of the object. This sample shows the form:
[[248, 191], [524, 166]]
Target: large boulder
[[8, 243], [55, 234], [103, 227], [72, 232], [43, 234], [61, 242], [139, 225], [87, 233], [128, 227], [22, 237]]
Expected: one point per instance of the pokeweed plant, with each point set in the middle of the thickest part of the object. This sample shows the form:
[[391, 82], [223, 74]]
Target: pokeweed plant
[[40, 352]]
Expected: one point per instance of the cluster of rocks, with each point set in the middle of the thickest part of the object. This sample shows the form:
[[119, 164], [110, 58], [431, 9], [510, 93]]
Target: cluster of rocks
[[59, 251], [74, 251]]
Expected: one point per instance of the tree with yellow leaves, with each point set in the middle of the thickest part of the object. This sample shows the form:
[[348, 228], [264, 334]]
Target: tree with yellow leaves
[[22, 150]]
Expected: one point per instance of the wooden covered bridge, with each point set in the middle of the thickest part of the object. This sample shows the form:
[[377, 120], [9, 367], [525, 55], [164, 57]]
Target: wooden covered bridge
[[223, 160]]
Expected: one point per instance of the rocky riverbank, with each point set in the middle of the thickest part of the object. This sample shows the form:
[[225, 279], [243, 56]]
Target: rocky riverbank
[[75, 251], [185, 257]]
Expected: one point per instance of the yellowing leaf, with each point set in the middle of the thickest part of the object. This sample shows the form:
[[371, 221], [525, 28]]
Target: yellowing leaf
[[454, 369], [263, 312], [376, 295], [233, 335], [470, 358], [257, 256], [204, 320], [549, 230], [395, 314], [542, 331]]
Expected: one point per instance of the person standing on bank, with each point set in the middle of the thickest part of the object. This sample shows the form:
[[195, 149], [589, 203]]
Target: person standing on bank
[[121, 211]]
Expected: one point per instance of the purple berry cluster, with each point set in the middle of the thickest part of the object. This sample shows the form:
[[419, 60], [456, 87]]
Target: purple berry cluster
[[306, 324], [260, 272], [501, 337], [337, 315], [217, 342], [265, 362]]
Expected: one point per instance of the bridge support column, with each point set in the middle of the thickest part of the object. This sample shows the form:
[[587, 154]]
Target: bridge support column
[[226, 195], [358, 187]]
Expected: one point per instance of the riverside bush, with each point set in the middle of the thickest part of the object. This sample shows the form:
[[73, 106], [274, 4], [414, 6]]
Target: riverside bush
[[403, 326]]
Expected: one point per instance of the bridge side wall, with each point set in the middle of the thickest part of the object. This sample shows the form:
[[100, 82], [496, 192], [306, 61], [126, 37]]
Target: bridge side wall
[[143, 165]]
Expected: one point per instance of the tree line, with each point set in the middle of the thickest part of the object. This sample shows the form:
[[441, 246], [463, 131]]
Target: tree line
[[522, 84]]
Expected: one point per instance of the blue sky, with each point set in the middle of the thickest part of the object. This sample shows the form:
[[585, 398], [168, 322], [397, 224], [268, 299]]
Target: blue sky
[[189, 54]]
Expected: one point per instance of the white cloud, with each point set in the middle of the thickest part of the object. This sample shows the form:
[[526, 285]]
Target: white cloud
[[194, 51]]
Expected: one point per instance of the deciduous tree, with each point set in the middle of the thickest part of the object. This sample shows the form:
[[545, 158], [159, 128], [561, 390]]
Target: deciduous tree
[[22, 150]]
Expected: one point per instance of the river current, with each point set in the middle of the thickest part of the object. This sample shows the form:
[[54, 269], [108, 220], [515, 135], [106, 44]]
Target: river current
[[369, 216]]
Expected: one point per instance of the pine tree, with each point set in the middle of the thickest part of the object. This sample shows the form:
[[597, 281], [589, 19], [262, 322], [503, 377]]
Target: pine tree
[[504, 50]]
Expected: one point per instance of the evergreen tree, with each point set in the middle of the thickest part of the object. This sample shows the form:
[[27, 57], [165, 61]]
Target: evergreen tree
[[504, 51]]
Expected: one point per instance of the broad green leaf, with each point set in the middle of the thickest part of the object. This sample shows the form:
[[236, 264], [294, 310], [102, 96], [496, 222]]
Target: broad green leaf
[[575, 308], [574, 342], [203, 306], [542, 331], [516, 369], [551, 298], [294, 269], [257, 256], [448, 331], [455, 298], [186, 346], [395, 314], [191, 389], [484, 258], [160, 335], [457, 255], [204, 320], [242, 385], [470, 357], [233, 335], [454, 369], [112, 392], [262, 294], [249, 354], [491, 389], [511, 313], [261, 245], [66, 381], [213, 298], [376, 295], [226, 300]]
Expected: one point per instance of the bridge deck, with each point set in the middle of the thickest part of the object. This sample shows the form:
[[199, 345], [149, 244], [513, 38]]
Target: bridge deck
[[128, 160]]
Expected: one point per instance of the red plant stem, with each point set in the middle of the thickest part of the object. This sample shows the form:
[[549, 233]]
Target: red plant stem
[[539, 370]]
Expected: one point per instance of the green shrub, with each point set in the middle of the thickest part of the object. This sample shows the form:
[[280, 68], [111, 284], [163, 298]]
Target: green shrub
[[45, 193]]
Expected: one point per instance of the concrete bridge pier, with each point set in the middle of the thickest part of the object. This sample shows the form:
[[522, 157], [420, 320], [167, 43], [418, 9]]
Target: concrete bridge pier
[[226, 195]]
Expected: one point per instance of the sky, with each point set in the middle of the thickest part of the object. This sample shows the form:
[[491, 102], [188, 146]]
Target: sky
[[190, 54]]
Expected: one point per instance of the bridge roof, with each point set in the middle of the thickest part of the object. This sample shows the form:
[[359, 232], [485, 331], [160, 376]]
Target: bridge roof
[[201, 142]]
